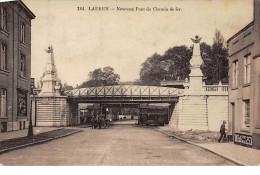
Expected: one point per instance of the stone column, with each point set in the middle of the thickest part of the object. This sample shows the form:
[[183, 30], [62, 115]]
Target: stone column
[[50, 76], [195, 85]]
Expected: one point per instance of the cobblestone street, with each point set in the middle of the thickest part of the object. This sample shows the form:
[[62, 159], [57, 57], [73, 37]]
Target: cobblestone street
[[122, 144]]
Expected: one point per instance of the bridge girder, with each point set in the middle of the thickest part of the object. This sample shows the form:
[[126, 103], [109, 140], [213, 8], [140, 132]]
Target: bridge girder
[[124, 100], [124, 94]]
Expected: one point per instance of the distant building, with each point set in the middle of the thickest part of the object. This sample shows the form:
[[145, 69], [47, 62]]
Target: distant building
[[15, 65], [244, 79]]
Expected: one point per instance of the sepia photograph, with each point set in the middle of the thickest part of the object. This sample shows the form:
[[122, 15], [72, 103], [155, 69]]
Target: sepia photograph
[[130, 83]]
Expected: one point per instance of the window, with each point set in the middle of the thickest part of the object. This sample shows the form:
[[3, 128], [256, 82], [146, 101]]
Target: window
[[22, 68], [247, 63], [22, 33], [4, 18], [246, 113], [235, 73], [3, 103], [3, 57]]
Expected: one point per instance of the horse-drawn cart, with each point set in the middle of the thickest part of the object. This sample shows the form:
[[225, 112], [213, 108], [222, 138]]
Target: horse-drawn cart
[[99, 122]]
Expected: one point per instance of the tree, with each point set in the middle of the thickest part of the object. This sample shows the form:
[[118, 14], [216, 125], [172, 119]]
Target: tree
[[206, 55], [215, 66], [101, 77], [178, 60], [152, 71], [218, 38], [173, 64]]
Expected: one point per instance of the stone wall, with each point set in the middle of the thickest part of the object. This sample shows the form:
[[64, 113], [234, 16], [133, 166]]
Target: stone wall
[[200, 112], [217, 111], [55, 111], [190, 113]]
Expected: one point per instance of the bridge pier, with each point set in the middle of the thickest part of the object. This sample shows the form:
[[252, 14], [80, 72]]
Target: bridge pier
[[56, 111]]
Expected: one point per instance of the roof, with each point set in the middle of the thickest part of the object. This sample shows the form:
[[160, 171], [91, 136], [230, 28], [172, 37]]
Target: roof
[[27, 9], [159, 104], [242, 30], [176, 83]]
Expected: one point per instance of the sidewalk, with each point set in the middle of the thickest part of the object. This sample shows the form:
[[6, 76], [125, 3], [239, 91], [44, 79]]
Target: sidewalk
[[24, 132], [238, 154], [18, 139]]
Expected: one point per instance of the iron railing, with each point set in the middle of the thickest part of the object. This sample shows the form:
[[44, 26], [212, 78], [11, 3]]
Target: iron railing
[[124, 90]]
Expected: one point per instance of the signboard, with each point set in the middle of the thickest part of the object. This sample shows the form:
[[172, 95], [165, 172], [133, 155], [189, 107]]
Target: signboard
[[22, 104], [244, 140]]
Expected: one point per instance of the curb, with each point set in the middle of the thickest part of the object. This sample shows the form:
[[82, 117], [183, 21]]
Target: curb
[[39, 142], [192, 143]]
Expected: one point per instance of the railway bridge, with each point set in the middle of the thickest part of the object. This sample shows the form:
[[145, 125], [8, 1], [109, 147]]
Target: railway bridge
[[63, 110], [124, 94]]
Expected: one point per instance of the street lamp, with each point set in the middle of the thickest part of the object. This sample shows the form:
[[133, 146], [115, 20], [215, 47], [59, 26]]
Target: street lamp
[[30, 129]]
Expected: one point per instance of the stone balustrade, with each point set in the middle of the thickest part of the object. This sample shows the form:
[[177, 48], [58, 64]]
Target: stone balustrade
[[216, 89]]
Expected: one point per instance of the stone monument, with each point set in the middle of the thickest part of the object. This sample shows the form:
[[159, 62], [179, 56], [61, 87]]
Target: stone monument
[[50, 82], [52, 107], [195, 84]]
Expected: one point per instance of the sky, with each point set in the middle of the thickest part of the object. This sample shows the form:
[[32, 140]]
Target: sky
[[84, 40]]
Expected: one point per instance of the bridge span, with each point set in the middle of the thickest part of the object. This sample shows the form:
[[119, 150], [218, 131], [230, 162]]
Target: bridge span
[[127, 94]]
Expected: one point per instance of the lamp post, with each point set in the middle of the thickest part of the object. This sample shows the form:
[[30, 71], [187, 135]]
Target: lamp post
[[30, 129]]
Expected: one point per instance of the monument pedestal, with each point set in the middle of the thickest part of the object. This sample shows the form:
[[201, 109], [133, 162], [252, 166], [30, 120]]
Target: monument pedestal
[[55, 111], [190, 113]]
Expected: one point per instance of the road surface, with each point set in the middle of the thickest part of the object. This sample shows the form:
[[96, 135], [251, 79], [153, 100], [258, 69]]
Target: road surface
[[122, 144]]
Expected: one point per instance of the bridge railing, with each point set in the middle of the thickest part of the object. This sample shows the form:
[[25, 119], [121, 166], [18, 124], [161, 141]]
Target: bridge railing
[[124, 90]]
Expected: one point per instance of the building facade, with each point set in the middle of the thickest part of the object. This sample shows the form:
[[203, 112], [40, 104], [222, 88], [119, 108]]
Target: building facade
[[15, 65], [244, 79]]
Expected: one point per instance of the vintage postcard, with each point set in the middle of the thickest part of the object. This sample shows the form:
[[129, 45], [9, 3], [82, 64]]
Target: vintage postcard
[[130, 82]]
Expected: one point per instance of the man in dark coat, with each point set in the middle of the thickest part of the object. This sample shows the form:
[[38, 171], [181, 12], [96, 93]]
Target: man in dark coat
[[99, 121], [222, 131], [93, 121]]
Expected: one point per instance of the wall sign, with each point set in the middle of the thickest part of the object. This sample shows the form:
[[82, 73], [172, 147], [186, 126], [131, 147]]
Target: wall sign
[[22, 104], [244, 140]]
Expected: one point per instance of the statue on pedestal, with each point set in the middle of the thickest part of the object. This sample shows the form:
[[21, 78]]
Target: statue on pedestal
[[50, 76], [197, 39], [195, 76], [196, 60]]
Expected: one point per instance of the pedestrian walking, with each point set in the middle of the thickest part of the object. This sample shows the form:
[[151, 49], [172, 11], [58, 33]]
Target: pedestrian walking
[[99, 121], [223, 131], [93, 121]]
